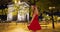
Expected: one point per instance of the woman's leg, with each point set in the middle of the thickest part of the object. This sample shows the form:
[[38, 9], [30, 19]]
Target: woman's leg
[[38, 31], [34, 30], [30, 30]]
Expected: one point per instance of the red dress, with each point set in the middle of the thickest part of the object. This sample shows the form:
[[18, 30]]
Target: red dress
[[34, 24]]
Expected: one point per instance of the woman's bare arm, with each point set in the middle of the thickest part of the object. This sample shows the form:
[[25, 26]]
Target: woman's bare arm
[[32, 18], [35, 12]]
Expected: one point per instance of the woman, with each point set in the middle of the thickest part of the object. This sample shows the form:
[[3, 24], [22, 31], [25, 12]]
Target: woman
[[34, 25]]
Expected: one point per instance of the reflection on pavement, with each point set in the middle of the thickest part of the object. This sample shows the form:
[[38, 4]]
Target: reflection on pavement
[[22, 27]]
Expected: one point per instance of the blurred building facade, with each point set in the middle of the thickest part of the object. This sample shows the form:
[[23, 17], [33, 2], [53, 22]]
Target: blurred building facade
[[18, 11]]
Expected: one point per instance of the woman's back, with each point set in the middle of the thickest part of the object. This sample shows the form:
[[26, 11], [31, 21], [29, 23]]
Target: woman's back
[[34, 25]]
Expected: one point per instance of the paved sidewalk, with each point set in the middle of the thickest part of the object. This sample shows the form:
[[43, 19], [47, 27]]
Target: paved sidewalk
[[22, 27]]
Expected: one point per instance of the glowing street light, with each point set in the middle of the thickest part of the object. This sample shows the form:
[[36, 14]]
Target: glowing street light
[[51, 8]]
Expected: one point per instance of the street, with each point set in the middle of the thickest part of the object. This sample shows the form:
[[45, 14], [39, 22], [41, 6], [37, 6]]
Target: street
[[22, 27]]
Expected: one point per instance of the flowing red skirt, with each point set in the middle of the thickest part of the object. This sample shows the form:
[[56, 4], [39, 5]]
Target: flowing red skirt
[[35, 24]]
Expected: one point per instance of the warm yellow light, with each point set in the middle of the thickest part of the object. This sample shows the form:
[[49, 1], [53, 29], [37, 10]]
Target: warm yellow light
[[50, 7], [15, 1], [17, 29]]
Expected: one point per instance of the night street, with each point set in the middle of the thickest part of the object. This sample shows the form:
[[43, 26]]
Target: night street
[[22, 27], [29, 15]]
